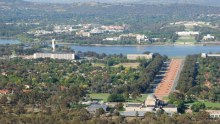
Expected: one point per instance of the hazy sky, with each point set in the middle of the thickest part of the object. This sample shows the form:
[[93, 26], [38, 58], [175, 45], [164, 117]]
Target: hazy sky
[[204, 2], [71, 1]]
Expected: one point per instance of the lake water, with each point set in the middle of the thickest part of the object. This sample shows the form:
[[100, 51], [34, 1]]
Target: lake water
[[171, 51], [9, 41]]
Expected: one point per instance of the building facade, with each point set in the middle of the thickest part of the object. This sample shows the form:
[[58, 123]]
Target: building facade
[[139, 56], [65, 56]]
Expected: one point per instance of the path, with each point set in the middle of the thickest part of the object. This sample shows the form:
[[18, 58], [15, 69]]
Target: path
[[170, 79]]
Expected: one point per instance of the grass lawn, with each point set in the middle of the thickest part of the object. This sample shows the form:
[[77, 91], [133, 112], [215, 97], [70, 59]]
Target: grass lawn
[[187, 40], [208, 104], [98, 64], [100, 96], [104, 97], [143, 97], [128, 65], [212, 104], [139, 99], [166, 98]]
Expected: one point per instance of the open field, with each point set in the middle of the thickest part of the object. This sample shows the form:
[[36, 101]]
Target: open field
[[128, 65], [104, 97], [212, 104], [186, 39], [207, 104], [100, 96], [98, 64]]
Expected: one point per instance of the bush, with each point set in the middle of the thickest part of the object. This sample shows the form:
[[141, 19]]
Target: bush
[[196, 107], [116, 98]]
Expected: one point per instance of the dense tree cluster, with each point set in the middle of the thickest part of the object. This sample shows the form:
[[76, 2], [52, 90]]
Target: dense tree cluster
[[149, 69], [116, 98], [8, 50], [199, 80], [208, 79], [81, 116], [87, 74], [188, 74]]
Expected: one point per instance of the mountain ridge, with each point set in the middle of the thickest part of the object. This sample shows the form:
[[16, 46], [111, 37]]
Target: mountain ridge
[[200, 2]]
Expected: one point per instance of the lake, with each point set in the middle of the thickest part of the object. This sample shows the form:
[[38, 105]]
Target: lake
[[9, 41], [171, 51]]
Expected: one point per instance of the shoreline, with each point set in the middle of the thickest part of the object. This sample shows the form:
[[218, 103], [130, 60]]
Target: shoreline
[[136, 45]]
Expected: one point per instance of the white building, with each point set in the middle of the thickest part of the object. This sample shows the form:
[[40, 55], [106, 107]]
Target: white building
[[40, 32], [140, 38], [67, 56], [214, 113], [151, 104], [208, 37], [55, 56], [205, 55], [187, 33], [63, 28], [139, 56], [112, 39], [83, 34], [96, 31], [151, 100]]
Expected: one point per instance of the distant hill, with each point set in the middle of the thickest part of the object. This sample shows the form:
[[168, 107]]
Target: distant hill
[[11, 1], [71, 1], [203, 2]]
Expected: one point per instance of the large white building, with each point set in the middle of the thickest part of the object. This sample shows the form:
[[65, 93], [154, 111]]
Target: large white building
[[54, 55], [139, 56], [214, 113], [187, 33], [205, 55], [83, 34], [151, 104], [208, 37], [67, 56]]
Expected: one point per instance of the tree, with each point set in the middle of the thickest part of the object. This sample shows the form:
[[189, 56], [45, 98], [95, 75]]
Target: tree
[[135, 94], [178, 99], [3, 100], [126, 95], [160, 112], [198, 37], [20, 110], [99, 112], [174, 37], [136, 114], [119, 106], [176, 96], [196, 107], [116, 98]]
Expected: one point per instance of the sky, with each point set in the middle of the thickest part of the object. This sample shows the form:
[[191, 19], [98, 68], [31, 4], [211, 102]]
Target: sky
[[71, 1], [203, 2]]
